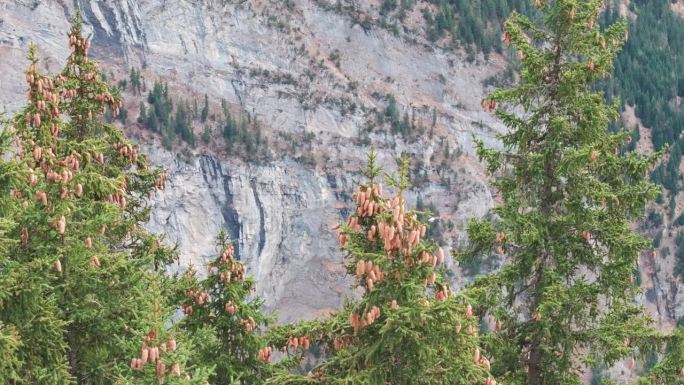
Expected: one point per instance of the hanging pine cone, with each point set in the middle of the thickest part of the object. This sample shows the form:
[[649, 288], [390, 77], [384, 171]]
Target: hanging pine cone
[[175, 370], [95, 261], [144, 354], [160, 369], [61, 225]]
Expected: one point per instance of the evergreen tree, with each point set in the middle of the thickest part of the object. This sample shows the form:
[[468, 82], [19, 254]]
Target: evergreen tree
[[33, 349], [10, 341], [217, 306], [205, 109], [391, 111], [142, 117], [206, 135], [569, 193], [152, 121], [74, 280], [409, 327], [135, 80], [387, 6], [123, 115], [671, 369], [163, 354]]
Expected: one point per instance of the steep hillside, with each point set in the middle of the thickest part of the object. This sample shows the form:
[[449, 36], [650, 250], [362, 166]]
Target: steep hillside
[[648, 79], [302, 71]]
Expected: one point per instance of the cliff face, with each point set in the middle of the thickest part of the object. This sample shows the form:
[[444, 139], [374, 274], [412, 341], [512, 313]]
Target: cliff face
[[298, 69], [304, 69], [280, 215]]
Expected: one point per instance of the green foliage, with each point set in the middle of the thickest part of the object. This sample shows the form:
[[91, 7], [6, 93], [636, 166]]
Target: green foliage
[[391, 114], [647, 76], [75, 261], [669, 371], [657, 239], [181, 124], [648, 72], [161, 102], [569, 196], [136, 81], [142, 116], [244, 134], [161, 116], [654, 219], [387, 6], [165, 354], [391, 111], [679, 256], [430, 215], [206, 135], [123, 115], [218, 306], [472, 22], [10, 364], [205, 109], [409, 327]]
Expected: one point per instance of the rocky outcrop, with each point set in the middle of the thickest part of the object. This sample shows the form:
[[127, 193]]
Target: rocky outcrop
[[274, 61], [280, 216]]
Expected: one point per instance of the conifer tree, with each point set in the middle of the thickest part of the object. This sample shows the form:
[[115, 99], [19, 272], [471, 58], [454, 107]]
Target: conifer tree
[[142, 117], [218, 307], [570, 191], [9, 345], [74, 282], [205, 109], [9, 341], [409, 327], [163, 354], [670, 370], [13, 356]]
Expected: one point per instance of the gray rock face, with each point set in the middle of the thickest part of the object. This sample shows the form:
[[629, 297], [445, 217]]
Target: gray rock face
[[280, 214], [281, 217]]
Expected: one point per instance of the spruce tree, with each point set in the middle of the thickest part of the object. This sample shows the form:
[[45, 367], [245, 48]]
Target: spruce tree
[[74, 280], [32, 348], [142, 117], [205, 109], [9, 339], [570, 192], [220, 308], [670, 370], [164, 355], [409, 327]]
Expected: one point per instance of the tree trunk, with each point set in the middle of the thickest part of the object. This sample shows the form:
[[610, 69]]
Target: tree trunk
[[534, 369]]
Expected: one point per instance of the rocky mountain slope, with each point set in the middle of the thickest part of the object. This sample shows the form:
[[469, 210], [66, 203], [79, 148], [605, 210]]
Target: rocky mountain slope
[[280, 213], [317, 77]]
